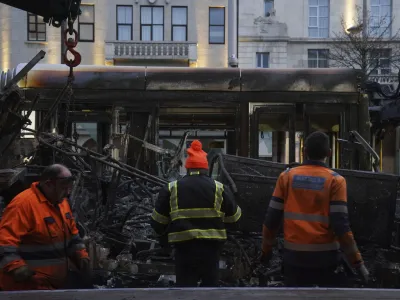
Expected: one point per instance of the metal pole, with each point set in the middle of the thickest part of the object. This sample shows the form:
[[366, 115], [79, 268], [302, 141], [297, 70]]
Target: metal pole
[[365, 18], [232, 34], [364, 117], [63, 46]]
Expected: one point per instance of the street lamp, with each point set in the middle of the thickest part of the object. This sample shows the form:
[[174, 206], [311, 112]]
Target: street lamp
[[355, 29]]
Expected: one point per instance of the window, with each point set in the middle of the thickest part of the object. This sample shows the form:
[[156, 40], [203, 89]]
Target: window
[[318, 19], [86, 23], [262, 60], [381, 62], [381, 17], [36, 28], [318, 58], [152, 23], [124, 22], [268, 7], [179, 24], [217, 25]]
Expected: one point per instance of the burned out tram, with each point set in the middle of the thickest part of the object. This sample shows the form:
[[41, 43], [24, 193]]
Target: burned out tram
[[257, 117], [258, 113]]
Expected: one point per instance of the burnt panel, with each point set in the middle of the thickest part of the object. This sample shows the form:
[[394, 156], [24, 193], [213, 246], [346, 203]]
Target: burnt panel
[[86, 77], [193, 79], [371, 204], [250, 166], [300, 80], [371, 197], [253, 200]]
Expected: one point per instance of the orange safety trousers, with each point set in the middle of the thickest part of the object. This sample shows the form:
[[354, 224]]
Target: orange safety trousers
[[44, 237]]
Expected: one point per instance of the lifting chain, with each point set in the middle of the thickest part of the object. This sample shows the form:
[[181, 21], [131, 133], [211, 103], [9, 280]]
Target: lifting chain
[[71, 43]]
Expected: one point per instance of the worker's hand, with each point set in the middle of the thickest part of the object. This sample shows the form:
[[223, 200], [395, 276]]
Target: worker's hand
[[363, 272], [264, 258], [84, 266], [22, 274]]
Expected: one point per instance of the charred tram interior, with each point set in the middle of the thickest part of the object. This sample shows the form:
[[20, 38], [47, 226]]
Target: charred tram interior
[[248, 112]]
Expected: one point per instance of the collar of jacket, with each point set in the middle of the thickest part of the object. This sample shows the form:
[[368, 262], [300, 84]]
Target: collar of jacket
[[315, 163], [39, 194], [197, 172]]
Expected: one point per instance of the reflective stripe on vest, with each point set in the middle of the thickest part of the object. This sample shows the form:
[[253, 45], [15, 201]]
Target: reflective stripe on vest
[[235, 217], [159, 217], [197, 234], [311, 247], [38, 254], [306, 217], [177, 213], [295, 216]]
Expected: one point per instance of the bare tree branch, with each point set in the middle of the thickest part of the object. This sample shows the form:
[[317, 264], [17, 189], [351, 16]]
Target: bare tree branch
[[376, 49]]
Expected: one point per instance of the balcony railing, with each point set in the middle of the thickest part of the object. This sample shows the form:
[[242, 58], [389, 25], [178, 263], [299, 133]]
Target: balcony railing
[[151, 50], [384, 79]]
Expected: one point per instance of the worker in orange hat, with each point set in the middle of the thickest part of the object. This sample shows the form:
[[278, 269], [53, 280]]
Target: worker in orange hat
[[194, 211], [39, 240]]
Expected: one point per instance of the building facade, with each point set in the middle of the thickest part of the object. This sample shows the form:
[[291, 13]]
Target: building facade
[[300, 34], [124, 32]]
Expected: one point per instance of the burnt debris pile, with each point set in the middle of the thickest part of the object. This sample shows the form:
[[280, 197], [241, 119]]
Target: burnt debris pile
[[113, 202]]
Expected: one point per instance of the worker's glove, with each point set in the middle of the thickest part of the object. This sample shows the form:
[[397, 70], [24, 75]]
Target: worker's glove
[[22, 274], [84, 266], [362, 272], [264, 258]]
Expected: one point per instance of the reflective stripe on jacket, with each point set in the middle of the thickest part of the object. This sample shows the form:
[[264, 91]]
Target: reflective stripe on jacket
[[312, 200], [195, 207], [33, 232]]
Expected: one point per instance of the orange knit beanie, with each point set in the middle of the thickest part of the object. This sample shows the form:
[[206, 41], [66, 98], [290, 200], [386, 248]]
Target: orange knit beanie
[[197, 158]]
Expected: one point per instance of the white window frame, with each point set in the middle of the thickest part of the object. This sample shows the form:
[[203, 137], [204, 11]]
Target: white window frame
[[320, 58], [315, 4], [377, 17], [387, 53], [262, 58]]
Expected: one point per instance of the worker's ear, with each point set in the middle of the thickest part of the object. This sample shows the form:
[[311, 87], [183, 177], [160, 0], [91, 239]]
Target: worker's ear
[[330, 153]]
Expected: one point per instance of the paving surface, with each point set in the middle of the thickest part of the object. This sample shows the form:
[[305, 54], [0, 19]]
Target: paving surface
[[206, 294]]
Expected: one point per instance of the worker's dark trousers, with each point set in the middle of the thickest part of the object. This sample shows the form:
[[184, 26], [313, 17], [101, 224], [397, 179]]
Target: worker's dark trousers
[[309, 277], [197, 260]]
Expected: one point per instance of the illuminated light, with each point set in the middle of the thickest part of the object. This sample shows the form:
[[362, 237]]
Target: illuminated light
[[350, 13]]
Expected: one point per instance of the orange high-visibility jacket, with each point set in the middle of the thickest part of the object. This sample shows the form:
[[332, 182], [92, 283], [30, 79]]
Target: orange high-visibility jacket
[[312, 199], [33, 232]]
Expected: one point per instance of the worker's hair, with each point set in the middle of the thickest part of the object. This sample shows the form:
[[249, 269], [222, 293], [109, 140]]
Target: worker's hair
[[317, 146], [52, 172]]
